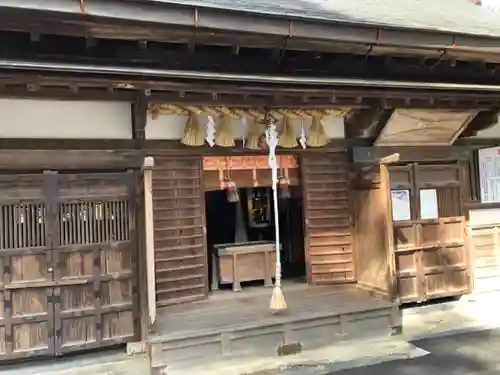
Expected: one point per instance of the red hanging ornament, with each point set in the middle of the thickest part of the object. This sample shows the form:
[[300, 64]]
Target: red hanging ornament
[[284, 188], [263, 143]]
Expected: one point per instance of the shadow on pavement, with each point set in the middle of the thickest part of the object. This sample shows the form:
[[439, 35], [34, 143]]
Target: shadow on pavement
[[465, 354]]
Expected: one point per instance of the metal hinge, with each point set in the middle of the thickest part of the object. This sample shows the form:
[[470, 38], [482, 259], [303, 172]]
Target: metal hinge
[[54, 299]]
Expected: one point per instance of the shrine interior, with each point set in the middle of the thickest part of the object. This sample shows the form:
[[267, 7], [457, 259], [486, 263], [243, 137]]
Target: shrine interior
[[250, 221]]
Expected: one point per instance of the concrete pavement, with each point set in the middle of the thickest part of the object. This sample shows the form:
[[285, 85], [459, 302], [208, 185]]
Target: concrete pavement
[[476, 353]]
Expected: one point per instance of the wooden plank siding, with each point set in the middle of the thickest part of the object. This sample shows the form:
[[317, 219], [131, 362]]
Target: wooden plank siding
[[329, 239], [373, 231], [179, 209], [485, 248]]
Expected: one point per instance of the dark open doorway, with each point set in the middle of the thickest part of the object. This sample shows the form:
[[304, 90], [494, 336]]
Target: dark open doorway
[[251, 220]]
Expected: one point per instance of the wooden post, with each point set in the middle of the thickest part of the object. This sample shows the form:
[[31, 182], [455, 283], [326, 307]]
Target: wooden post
[[149, 231]]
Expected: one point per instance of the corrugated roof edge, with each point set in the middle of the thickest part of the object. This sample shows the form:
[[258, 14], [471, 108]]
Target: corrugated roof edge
[[316, 18]]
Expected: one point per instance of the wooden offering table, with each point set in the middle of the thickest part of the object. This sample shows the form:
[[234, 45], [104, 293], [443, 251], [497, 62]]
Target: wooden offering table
[[239, 262]]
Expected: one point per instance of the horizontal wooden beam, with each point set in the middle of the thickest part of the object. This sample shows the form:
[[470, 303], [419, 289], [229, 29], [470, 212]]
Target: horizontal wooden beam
[[69, 159], [265, 98], [127, 84], [370, 155]]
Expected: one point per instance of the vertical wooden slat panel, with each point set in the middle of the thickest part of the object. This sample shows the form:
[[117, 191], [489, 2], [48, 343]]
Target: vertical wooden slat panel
[[329, 247], [180, 253], [485, 249]]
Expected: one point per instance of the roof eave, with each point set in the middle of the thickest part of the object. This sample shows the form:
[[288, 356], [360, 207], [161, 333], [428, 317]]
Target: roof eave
[[144, 12]]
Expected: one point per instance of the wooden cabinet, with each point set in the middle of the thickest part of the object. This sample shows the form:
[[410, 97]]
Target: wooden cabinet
[[237, 263]]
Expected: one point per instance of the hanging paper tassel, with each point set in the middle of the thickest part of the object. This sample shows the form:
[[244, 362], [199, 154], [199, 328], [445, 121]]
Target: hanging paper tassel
[[210, 132], [278, 302], [193, 135], [303, 138], [255, 134], [224, 136], [244, 130], [287, 137], [317, 136]]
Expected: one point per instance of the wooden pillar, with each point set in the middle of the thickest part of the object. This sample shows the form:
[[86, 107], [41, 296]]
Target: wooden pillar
[[139, 111], [149, 237]]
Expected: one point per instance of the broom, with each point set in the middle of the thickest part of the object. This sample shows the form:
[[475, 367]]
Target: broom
[[193, 135], [317, 136], [278, 302]]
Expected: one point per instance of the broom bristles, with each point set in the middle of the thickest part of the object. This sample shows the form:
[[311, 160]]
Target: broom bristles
[[278, 302]]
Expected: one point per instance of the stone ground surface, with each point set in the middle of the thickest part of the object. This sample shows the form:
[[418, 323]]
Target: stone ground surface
[[430, 323], [476, 353]]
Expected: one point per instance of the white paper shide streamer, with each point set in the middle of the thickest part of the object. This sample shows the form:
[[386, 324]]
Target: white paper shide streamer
[[210, 132], [244, 128], [303, 138], [493, 5]]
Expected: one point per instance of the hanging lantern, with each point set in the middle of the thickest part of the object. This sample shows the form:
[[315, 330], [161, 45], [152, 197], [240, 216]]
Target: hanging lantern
[[284, 188], [232, 192], [283, 181]]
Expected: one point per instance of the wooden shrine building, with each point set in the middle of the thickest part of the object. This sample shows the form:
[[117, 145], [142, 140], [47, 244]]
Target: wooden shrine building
[[120, 224]]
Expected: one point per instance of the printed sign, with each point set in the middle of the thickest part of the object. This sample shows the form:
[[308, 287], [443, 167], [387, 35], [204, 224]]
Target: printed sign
[[489, 174]]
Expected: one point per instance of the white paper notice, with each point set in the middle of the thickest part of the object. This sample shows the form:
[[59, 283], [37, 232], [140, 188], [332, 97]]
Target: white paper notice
[[428, 204], [401, 205], [489, 174]]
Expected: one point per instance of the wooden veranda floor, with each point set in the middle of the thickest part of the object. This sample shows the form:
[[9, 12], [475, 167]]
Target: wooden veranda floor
[[250, 308], [231, 324]]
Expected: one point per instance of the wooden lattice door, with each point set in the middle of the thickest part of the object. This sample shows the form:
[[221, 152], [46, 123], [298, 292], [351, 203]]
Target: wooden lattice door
[[27, 322], [67, 244], [430, 247]]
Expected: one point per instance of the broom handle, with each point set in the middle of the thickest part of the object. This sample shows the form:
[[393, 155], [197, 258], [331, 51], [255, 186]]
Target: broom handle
[[274, 171]]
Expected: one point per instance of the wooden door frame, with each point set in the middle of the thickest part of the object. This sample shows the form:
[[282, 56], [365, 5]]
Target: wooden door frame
[[385, 186]]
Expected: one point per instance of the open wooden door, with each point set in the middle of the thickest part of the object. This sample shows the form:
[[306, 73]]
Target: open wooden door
[[431, 253], [328, 232], [373, 231], [179, 233]]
